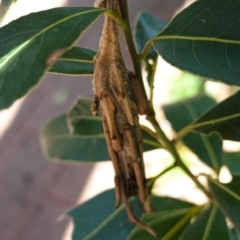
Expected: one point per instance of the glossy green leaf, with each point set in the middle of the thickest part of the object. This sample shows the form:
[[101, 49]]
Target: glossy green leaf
[[162, 204], [79, 136], [232, 161], [31, 44], [210, 224], [59, 143], [204, 39], [147, 26], [169, 219], [76, 61], [93, 126], [82, 122], [181, 114], [224, 119], [97, 218], [228, 198], [85, 143]]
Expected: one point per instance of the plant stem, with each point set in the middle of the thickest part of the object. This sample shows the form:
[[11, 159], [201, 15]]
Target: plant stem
[[171, 148], [151, 115], [116, 18], [148, 130], [127, 32], [151, 84], [145, 50]]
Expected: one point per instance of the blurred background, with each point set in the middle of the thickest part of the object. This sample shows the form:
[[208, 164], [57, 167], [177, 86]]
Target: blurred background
[[34, 192]]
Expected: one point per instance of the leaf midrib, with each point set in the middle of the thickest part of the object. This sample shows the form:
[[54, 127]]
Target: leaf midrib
[[210, 221], [212, 122], [193, 126], [165, 215], [75, 60], [224, 188], [172, 214], [63, 20], [205, 140], [193, 38], [51, 26], [103, 223]]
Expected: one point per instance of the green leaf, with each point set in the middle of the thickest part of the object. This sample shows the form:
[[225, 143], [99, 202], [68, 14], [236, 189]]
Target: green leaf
[[209, 224], [82, 122], [31, 44], [232, 161], [162, 204], [224, 119], [93, 126], [98, 219], [169, 219], [76, 61], [79, 136], [181, 114], [59, 144], [147, 26], [204, 39], [227, 197]]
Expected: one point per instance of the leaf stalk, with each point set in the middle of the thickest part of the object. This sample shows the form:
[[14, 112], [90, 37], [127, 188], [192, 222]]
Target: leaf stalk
[[145, 50], [127, 32], [120, 21], [171, 148]]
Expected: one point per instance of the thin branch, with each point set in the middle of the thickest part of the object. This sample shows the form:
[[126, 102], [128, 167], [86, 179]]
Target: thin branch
[[149, 131], [127, 32], [171, 148], [151, 84], [116, 18], [145, 50]]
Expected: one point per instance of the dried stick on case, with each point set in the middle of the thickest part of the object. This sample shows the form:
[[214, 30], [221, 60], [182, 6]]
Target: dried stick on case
[[116, 92]]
